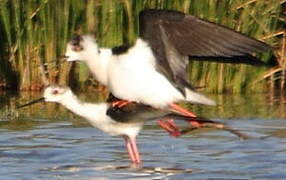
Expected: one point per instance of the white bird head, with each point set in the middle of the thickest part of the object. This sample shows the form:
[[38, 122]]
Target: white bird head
[[81, 47], [55, 93]]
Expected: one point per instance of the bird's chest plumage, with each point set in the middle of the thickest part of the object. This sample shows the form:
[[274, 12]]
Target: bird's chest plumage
[[135, 78], [116, 129], [127, 76]]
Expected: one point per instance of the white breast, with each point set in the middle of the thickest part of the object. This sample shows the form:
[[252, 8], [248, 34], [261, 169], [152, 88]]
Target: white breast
[[133, 77], [96, 115], [118, 129]]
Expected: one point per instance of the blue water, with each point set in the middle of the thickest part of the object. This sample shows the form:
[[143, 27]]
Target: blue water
[[47, 142]]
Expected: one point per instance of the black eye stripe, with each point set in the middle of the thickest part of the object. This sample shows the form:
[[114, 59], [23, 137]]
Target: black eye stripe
[[76, 39]]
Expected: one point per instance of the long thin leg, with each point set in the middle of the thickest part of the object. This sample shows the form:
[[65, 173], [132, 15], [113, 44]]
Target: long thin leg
[[132, 150], [129, 149], [185, 112], [135, 150], [120, 103], [182, 110], [170, 126]]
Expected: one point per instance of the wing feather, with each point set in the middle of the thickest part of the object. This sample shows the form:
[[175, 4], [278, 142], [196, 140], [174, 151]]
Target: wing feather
[[168, 31]]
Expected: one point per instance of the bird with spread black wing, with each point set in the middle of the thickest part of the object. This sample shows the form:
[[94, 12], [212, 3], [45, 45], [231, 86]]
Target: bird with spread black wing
[[154, 70]]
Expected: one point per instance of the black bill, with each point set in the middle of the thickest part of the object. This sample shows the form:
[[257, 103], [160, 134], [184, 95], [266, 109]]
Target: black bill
[[32, 102]]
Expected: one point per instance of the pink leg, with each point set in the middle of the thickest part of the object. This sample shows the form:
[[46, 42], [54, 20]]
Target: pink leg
[[182, 110], [185, 112], [129, 149], [120, 103], [132, 150], [170, 126]]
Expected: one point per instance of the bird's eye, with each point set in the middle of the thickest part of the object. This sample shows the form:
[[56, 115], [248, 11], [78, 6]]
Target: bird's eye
[[77, 48], [55, 92]]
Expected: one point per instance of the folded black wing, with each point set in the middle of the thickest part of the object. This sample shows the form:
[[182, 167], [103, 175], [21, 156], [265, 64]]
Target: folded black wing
[[134, 112]]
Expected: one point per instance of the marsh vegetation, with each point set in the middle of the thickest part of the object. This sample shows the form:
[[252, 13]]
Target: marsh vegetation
[[34, 34]]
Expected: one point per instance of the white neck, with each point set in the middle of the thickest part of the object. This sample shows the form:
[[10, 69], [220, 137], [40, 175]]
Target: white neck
[[98, 62], [92, 112], [96, 115]]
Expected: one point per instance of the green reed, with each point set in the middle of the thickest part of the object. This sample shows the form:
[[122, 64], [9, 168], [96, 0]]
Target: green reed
[[34, 34]]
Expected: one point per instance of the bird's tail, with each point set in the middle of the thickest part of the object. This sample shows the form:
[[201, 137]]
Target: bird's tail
[[197, 98]]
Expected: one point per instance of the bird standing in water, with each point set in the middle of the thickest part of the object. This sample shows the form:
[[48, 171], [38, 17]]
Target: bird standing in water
[[154, 70], [124, 121]]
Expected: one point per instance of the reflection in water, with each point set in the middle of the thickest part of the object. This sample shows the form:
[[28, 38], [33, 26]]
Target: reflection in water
[[249, 106], [45, 141], [229, 106]]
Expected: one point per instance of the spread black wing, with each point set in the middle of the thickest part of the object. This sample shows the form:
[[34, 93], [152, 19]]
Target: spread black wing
[[174, 37]]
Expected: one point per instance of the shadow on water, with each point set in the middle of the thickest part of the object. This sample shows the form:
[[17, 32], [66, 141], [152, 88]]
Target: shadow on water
[[45, 141]]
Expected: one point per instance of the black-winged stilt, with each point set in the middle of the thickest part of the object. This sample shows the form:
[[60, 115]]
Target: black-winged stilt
[[154, 70], [124, 121]]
